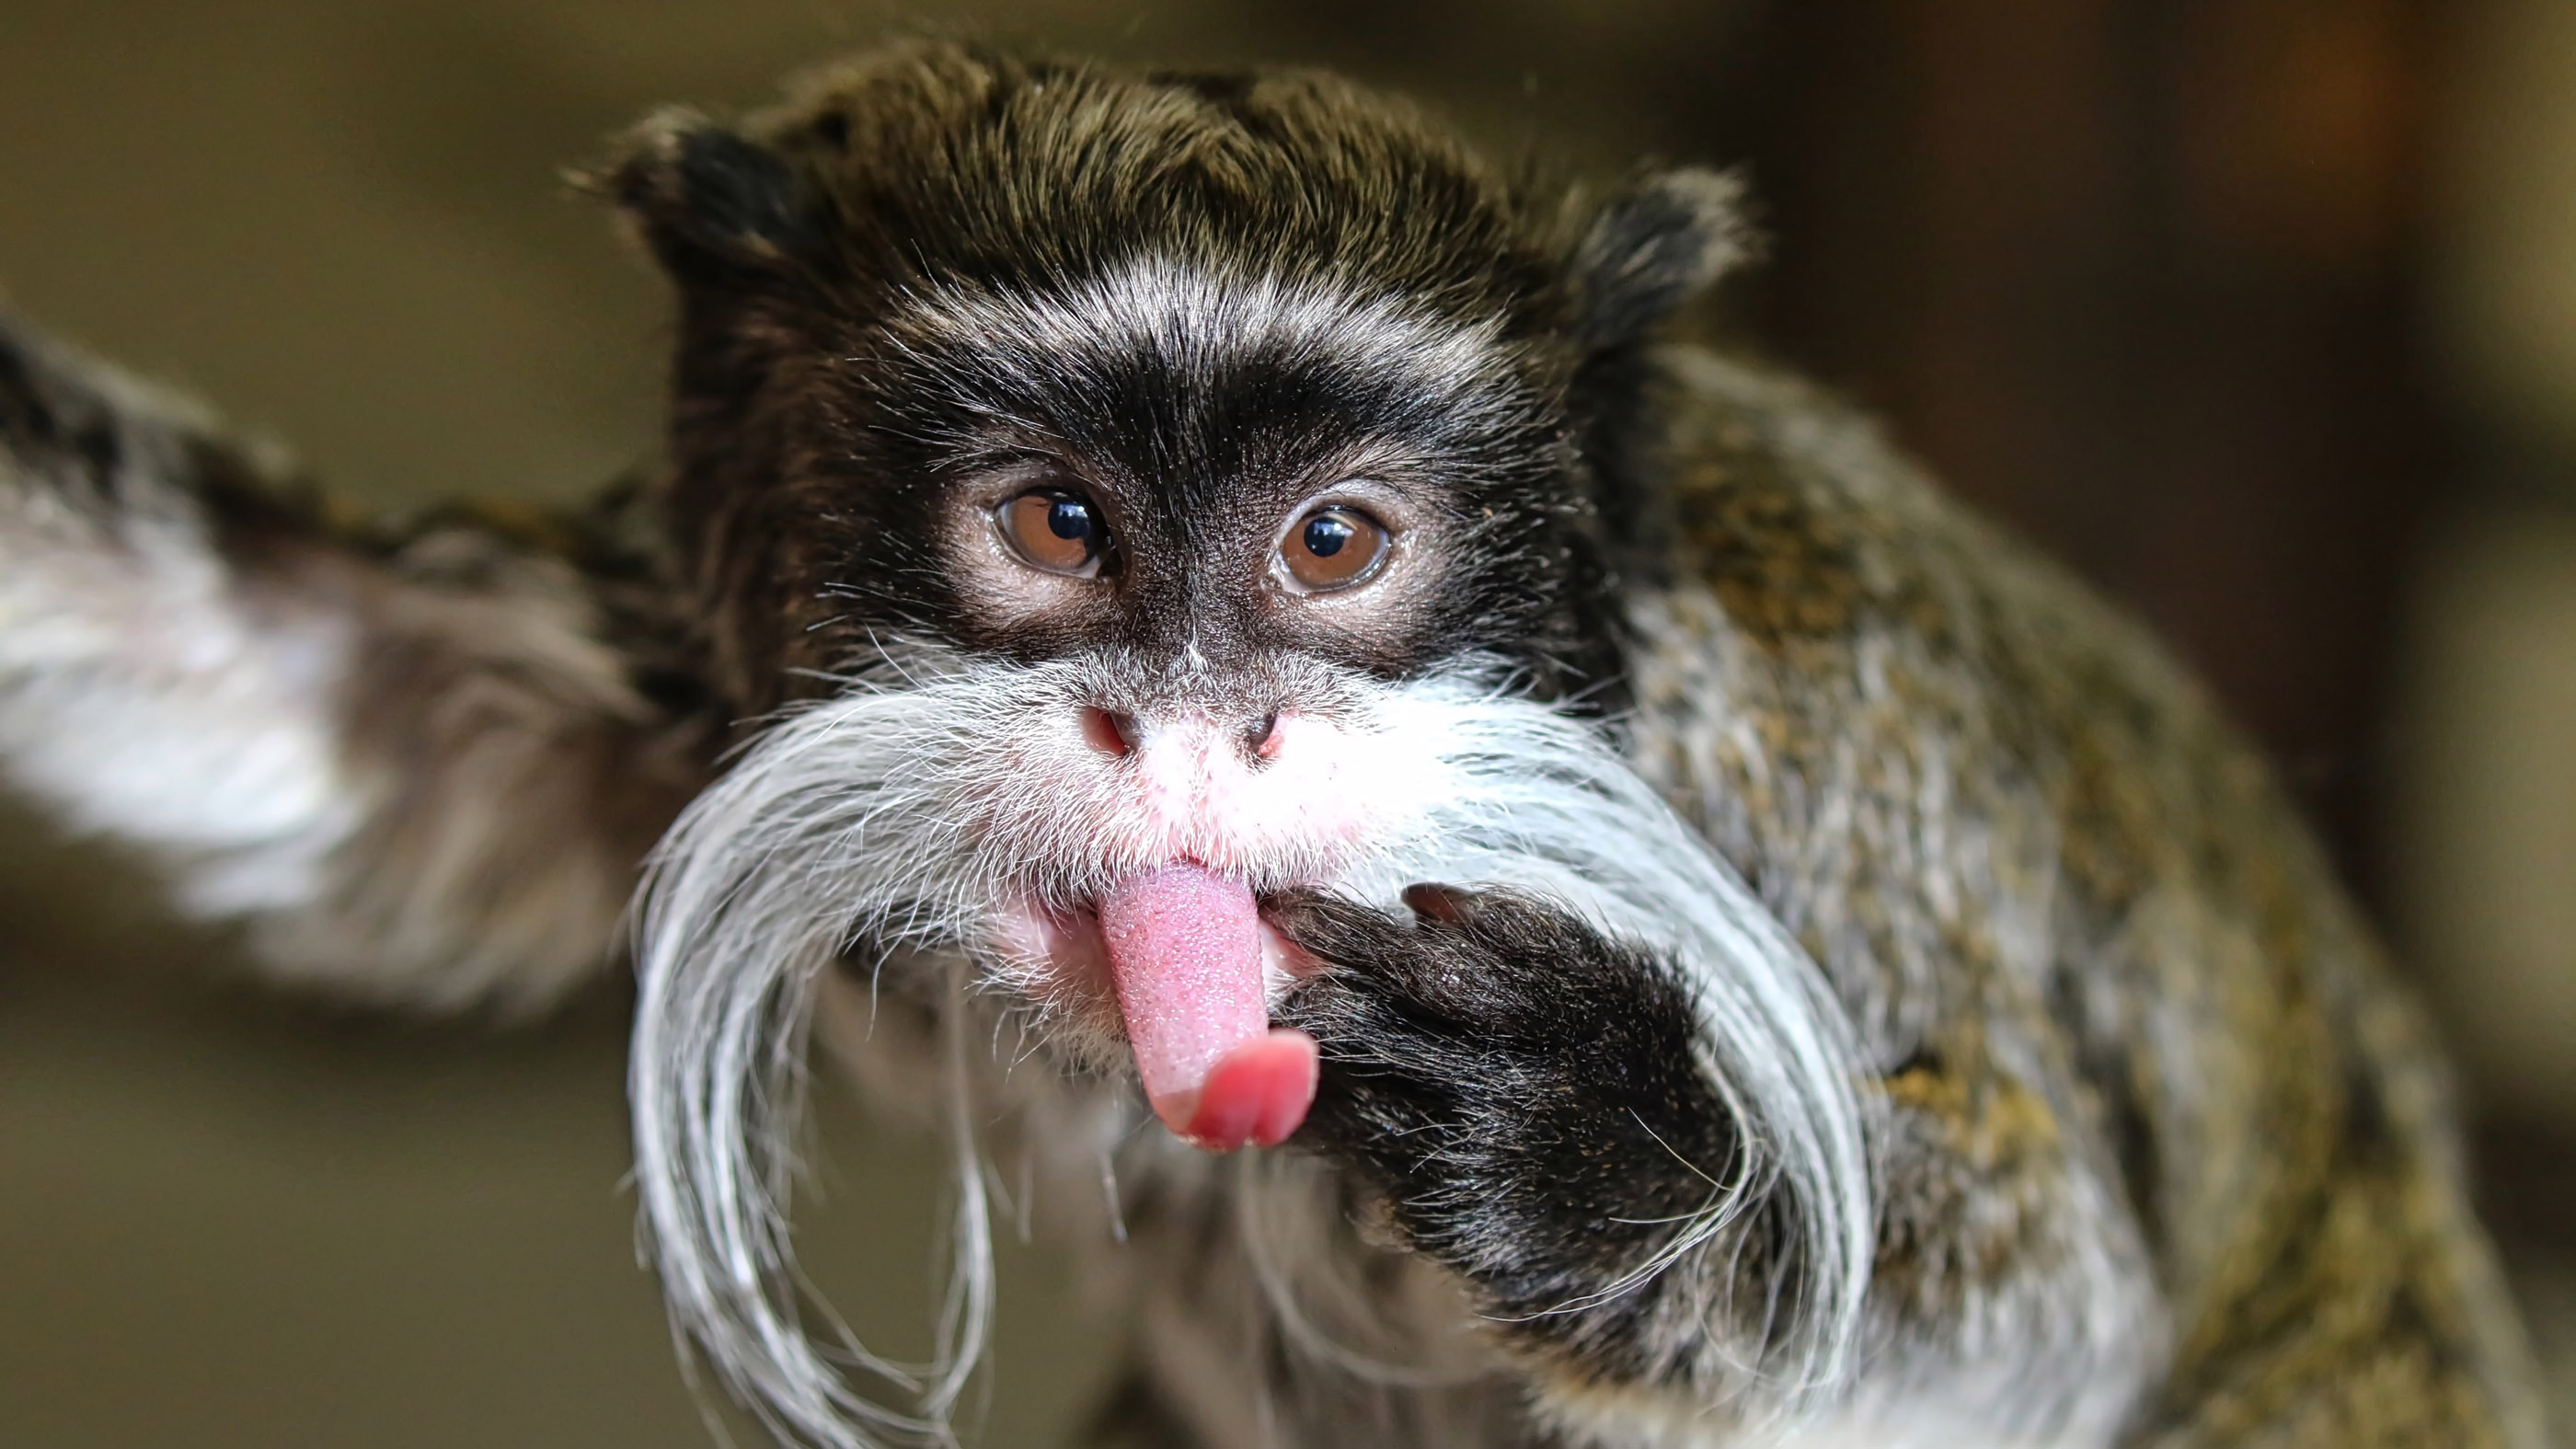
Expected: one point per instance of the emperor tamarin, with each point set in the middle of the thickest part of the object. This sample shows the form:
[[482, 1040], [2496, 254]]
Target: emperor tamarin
[[1196, 597]]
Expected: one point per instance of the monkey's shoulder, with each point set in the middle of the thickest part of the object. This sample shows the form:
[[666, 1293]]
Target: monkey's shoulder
[[1811, 527], [2049, 876], [1847, 607], [1944, 758]]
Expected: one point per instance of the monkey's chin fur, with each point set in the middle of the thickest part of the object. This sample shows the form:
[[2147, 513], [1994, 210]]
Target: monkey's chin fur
[[897, 821]]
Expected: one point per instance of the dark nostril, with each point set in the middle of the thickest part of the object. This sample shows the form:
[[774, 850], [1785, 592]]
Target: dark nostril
[[1264, 735], [1110, 732]]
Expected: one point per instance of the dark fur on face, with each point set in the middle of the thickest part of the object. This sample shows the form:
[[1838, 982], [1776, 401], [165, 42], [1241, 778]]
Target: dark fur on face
[[939, 265]]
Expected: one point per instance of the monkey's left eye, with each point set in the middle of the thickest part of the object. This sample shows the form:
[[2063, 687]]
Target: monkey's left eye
[[1054, 530], [1333, 548]]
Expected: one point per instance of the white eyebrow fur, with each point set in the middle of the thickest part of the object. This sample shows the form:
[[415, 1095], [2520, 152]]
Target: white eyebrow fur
[[1187, 313]]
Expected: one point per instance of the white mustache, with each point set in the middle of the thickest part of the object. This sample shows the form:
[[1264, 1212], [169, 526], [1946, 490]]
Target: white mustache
[[874, 817]]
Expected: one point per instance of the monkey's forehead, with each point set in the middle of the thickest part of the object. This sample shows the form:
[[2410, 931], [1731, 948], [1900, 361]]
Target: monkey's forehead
[[1156, 324], [958, 160]]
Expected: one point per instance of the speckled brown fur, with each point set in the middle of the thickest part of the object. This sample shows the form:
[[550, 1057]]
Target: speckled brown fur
[[2083, 932]]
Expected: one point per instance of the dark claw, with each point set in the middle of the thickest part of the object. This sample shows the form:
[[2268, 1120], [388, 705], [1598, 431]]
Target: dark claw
[[1445, 904]]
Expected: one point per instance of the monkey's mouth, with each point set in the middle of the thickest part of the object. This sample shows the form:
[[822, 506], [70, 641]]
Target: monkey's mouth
[[1193, 969]]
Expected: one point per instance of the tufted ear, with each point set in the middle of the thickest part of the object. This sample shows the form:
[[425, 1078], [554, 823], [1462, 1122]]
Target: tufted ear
[[717, 208], [1653, 247]]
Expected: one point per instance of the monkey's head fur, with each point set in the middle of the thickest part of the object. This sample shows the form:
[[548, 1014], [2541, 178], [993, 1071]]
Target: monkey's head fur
[[1204, 301], [1088, 473]]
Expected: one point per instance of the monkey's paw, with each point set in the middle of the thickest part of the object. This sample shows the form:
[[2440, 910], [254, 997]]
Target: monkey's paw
[[1522, 1095]]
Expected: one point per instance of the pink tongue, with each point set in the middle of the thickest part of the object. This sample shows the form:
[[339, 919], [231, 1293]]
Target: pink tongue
[[1185, 947]]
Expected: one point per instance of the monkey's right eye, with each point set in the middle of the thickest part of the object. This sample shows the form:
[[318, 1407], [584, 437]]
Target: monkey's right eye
[[1054, 530]]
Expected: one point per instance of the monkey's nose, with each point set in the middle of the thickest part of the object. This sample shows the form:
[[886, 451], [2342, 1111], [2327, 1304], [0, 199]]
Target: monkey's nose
[[1263, 736], [1114, 733], [1118, 734]]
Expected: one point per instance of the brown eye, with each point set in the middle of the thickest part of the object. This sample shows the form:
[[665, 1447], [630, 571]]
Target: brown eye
[[1054, 530], [1333, 548]]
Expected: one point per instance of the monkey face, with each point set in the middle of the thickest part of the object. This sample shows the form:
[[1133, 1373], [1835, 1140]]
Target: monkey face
[[1178, 435], [1224, 512], [1232, 509], [1200, 527]]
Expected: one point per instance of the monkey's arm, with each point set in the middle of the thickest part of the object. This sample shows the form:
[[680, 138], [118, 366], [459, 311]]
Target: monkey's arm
[[419, 768]]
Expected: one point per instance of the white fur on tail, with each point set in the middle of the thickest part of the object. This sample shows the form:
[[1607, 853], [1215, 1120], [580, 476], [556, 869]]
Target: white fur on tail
[[142, 697]]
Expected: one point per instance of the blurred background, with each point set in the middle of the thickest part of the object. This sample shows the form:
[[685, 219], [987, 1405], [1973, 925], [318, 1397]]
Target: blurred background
[[2262, 313]]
